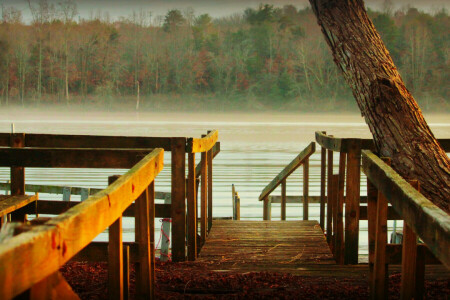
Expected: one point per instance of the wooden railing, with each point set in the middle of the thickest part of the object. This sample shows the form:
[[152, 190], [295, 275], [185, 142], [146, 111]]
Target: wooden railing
[[422, 219], [30, 261], [83, 151], [301, 160], [205, 146], [333, 197]]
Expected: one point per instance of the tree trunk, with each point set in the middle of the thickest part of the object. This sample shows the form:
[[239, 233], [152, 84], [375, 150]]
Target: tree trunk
[[393, 116]]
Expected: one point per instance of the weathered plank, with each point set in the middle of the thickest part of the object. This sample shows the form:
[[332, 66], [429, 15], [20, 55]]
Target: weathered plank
[[63, 236], [299, 199], [195, 145], [428, 221], [71, 158], [291, 167], [178, 206], [9, 204]]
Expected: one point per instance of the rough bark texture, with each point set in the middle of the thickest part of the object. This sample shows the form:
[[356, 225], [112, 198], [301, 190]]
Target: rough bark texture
[[394, 118]]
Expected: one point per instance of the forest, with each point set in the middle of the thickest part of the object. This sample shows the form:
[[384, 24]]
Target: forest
[[264, 58]]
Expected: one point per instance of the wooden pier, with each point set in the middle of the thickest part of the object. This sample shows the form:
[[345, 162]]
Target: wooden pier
[[31, 257]]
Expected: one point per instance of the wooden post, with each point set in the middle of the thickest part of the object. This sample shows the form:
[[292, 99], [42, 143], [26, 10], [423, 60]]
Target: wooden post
[[329, 197], [380, 273], [84, 194], [192, 209], [283, 200], [178, 198], [339, 212], [126, 272], [323, 166], [305, 189], [115, 255], [352, 202], [409, 258], [233, 203], [210, 189], [372, 194], [18, 177], [420, 273], [267, 212], [67, 191], [144, 288], [334, 202], [237, 207], [151, 229], [203, 196]]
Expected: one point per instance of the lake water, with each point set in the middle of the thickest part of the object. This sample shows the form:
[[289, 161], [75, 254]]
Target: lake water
[[254, 149]]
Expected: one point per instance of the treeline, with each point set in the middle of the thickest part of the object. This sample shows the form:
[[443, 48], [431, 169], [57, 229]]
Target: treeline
[[274, 55]]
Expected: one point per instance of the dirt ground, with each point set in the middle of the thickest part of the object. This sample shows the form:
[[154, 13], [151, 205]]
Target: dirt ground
[[194, 281]]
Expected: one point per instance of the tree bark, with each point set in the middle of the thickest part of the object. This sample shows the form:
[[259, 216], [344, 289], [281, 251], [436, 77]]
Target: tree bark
[[393, 116]]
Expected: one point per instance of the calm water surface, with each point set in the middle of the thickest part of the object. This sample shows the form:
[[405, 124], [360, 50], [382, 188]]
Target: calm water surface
[[255, 148]]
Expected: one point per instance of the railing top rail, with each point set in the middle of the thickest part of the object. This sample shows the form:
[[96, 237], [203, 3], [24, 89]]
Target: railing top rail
[[427, 220], [215, 150], [344, 144], [89, 141], [195, 145], [38, 253], [71, 157], [291, 167]]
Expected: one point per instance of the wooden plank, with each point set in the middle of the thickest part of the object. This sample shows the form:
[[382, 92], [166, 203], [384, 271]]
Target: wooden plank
[[409, 257], [339, 233], [329, 197], [215, 150], [379, 277], [192, 209], [305, 189], [52, 207], [210, 189], [17, 172], [115, 255], [299, 199], [291, 167], [71, 158], [428, 221], [323, 168], [151, 229], [144, 281], [352, 201], [328, 141], [237, 207], [8, 204], [283, 200], [372, 195], [178, 206], [204, 144], [204, 196], [335, 203], [38, 253], [96, 141]]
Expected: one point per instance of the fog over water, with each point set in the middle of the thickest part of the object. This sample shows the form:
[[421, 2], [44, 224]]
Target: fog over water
[[254, 149]]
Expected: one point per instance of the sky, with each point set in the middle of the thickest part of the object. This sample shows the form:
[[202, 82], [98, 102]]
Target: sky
[[216, 8]]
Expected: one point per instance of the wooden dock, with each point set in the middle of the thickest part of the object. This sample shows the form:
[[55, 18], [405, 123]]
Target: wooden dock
[[265, 245]]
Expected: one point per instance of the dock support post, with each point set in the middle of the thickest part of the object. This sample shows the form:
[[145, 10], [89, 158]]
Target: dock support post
[[178, 198], [203, 196], [323, 166], [192, 209], [115, 254], [267, 213], [283, 200], [18, 177], [329, 197], [352, 201], [372, 195], [210, 189], [306, 189], [126, 272], [409, 258]]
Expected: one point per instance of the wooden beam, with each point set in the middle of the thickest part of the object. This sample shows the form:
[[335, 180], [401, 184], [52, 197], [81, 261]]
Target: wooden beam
[[323, 174], [215, 150], [204, 144], [283, 200], [8, 204], [305, 189], [267, 209], [71, 158], [178, 206], [329, 197], [427, 220], [192, 209], [291, 167], [339, 246], [65, 235], [210, 188], [203, 197], [299, 199]]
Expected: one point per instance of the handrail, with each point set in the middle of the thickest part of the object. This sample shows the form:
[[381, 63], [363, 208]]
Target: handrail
[[204, 144], [344, 144], [291, 167], [38, 253], [215, 150], [427, 220]]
